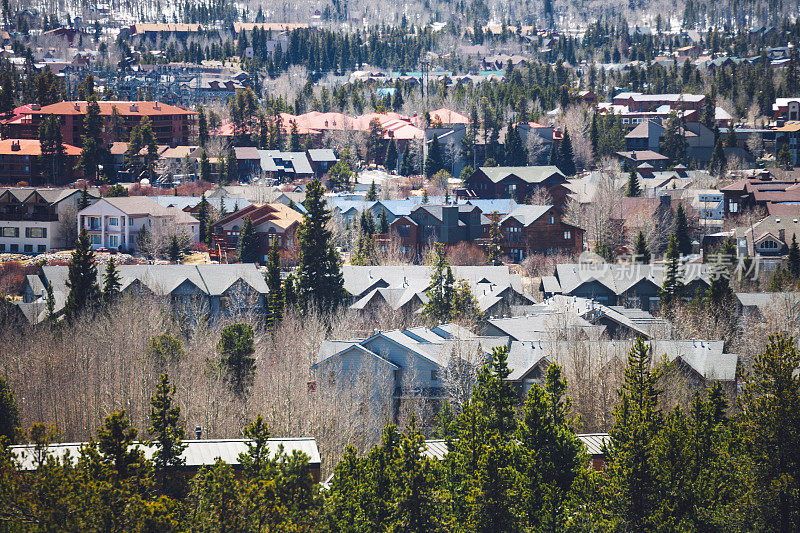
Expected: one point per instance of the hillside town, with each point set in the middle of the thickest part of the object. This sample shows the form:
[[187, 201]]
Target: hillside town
[[468, 267]]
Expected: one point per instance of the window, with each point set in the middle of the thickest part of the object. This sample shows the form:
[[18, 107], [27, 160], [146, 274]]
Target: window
[[769, 244], [733, 206], [567, 235], [2, 247], [434, 375], [404, 230], [113, 221], [15, 247], [10, 232], [28, 248], [513, 233], [35, 233], [95, 240], [94, 222], [113, 241], [551, 220], [41, 248]]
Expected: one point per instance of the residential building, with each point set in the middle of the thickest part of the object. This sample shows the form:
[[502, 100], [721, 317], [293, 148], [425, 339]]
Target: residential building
[[699, 362], [403, 288], [270, 222], [398, 366], [248, 162], [628, 285], [115, 223], [789, 135], [538, 229], [635, 158], [172, 125], [321, 160], [762, 191], [519, 183], [428, 223], [195, 290], [768, 238], [37, 220], [20, 161], [786, 109]]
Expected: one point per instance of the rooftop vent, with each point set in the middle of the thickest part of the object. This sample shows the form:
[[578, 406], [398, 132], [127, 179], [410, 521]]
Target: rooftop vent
[[77, 106], [134, 108]]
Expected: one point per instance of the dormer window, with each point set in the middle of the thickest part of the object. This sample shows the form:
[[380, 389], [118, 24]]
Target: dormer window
[[769, 244]]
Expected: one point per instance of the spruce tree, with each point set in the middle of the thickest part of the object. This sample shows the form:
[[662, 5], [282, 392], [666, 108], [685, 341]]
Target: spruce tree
[[641, 252], [202, 127], [681, 231], [203, 218], [632, 485], [391, 156], [441, 290], [275, 301], [407, 163], [372, 193], [231, 167], [794, 258], [52, 149], [633, 184], [435, 161], [319, 275], [383, 223], [719, 162], [111, 283], [566, 158], [768, 426], [205, 166], [515, 152], [174, 249], [247, 247], [92, 153], [236, 348], [84, 292], [167, 433], [9, 412], [550, 455], [495, 255], [673, 278]]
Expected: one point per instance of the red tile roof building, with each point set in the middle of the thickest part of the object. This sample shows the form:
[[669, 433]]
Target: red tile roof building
[[172, 125], [20, 161]]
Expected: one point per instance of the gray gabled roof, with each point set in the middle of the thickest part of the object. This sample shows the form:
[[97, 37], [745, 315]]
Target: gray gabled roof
[[527, 214], [322, 155], [534, 174]]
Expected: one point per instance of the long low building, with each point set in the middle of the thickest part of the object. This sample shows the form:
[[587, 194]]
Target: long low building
[[215, 290], [402, 288], [197, 454]]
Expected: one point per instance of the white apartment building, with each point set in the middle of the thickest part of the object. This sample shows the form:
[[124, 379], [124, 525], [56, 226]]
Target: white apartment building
[[115, 223], [34, 220]]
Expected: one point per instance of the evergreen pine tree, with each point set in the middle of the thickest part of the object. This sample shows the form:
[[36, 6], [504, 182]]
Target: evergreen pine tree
[[407, 163], [633, 184], [275, 301], [84, 292], [247, 247], [441, 291], [681, 231], [84, 201], [794, 258], [52, 149], [236, 349], [231, 167], [391, 156], [632, 486], [515, 152], [168, 434], [372, 193], [383, 223], [202, 127], [718, 164], [319, 275], [174, 249], [495, 255], [566, 158], [9, 412], [768, 425], [435, 161], [673, 282], [205, 166], [203, 218], [92, 153], [111, 283], [641, 252]]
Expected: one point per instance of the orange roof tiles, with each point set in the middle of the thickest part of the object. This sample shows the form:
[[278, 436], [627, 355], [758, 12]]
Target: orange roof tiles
[[32, 147], [124, 108]]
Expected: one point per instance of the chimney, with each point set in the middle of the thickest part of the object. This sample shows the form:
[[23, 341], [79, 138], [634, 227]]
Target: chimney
[[134, 108], [77, 106], [15, 146], [782, 235], [156, 106], [198, 432]]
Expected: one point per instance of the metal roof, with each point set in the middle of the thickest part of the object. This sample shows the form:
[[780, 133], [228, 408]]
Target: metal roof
[[197, 452]]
